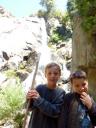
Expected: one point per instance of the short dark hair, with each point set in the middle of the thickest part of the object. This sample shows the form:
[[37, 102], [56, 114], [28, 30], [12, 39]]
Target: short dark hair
[[78, 74], [52, 64]]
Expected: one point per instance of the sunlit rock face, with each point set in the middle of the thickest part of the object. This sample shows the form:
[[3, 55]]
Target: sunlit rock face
[[20, 39]]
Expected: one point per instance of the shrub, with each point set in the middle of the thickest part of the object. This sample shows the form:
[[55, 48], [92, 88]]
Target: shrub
[[11, 101]]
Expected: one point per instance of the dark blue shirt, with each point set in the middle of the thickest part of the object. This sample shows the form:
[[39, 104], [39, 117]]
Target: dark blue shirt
[[46, 108], [84, 119]]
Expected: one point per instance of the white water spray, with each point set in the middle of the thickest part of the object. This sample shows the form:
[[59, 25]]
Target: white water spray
[[44, 50]]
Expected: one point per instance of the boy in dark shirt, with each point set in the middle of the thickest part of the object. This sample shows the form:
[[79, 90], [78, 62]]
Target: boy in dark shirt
[[46, 100], [79, 109]]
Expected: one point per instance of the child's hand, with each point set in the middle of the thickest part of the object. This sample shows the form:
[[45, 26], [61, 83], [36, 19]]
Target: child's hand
[[33, 94], [86, 99]]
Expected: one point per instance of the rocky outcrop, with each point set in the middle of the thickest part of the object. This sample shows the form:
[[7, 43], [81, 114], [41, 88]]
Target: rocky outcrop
[[20, 39], [20, 43], [84, 53], [4, 12]]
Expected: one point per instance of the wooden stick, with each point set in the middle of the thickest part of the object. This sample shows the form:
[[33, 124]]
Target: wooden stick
[[32, 87]]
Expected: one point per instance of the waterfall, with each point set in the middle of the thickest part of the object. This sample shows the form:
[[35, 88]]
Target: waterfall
[[45, 57], [44, 50]]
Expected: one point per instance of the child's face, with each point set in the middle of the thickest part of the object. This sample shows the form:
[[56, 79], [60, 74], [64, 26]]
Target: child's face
[[80, 85], [52, 75]]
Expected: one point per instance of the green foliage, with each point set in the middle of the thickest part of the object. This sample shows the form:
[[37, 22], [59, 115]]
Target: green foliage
[[89, 23], [63, 31], [41, 13], [71, 8], [49, 6], [10, 73], [62, 17], [86, 9], [60, 34], [55, 38], [11, 100], [21, 66], [19, 119], [46, 15]]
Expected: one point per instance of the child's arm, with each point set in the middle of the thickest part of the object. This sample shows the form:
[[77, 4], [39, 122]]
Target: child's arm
[[91, 105], [52, 110], [86, 100], [48, 108], [30, 96], [92, 113]]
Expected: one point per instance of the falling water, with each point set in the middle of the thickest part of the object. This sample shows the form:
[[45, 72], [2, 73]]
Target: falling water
[[44, 50], [45, 54], [45, 57]]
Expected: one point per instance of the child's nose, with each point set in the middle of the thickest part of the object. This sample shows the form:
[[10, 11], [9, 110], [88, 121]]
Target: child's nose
[[82, 88], [52, 75]]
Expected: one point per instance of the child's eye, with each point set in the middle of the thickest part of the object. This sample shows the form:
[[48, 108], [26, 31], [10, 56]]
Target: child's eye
[[77, 85], [49, 73], [55, 73], [83, 84]]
